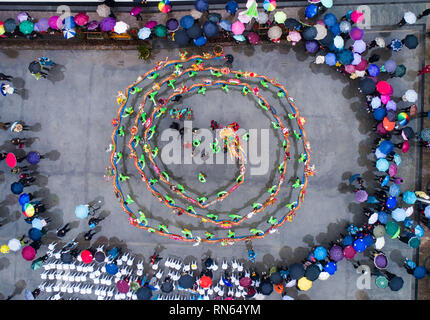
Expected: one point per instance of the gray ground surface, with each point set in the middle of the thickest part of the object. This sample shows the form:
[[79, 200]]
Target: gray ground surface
[[71, 117]]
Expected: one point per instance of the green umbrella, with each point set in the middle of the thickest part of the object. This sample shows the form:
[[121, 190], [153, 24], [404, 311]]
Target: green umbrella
[[26, 27], [414, 242], [36, 264], [392, 229], [379, 231], [134, 286], [381, 282], [400, 71], [160, 30]]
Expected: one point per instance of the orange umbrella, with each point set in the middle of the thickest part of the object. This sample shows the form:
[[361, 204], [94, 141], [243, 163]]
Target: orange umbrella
[[388, 125], [279, 288], [205, 282]]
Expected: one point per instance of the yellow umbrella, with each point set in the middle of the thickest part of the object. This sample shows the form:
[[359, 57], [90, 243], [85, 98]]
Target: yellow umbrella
[[304, 284], [29, 210], [4, 249], [422, 194]]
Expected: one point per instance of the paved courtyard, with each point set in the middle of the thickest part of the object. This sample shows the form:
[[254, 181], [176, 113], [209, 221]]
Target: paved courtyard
[[71, 114]]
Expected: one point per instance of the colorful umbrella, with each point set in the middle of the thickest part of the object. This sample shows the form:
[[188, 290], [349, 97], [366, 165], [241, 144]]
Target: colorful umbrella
[[55, 22], [373, 70], [11, 160], [86, 256], [245, 282], [122, 286], [69, 33], [349, 252], [320, 253], [309, 33], [380, 261], [330, 59], [26, 27], [28, 253], [396, 45], [394, 190], [4, 249], [186, 22], [33, 157], [331, 267], [414, 242], [42, 25], [135, 11], [280, 17], [35, 234], [392, 170], [164, 6], [357, 16], [336, 253], [172, 25], [345, 26], [409, 197], [359, 245], [69, 22], [151, 24], [391, 202], [398, 214], [81, 19], [356, 33], [392, 229], [107, 24], [382, 165], [361, 196], [253, 38], [22, 16], [112, 268], [37, 223], [201, 5], [121, 27], [338, 42], [269, 5], [330, 19], [205, 282], [237, 27], [225, 25], [312, 46], [274, 33]]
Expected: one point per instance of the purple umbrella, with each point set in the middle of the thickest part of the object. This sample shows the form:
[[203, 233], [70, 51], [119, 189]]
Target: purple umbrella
[[22, 16], [391, 105], [356, 33], [92, 25], [33, 157], [373, 70], [135, 11], [336, 253], [361, 196], [123, 286], [172, 25], [390, 66], [150, 24], [359, 46], [55, 22], [380, 261], [107, 24], [42, 25], [312, 46]]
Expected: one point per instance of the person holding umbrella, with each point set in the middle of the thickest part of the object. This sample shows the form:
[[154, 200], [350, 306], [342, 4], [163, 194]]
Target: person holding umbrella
[[94, 221], [61, 232], [89, 235], [4, 77]]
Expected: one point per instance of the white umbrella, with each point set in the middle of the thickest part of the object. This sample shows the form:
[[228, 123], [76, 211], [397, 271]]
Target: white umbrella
[[262, 17], [380, 42], [410, 17], [360, 74], [280, 17], [14, 244], [373, 218], [244, 18], [376, 102], [320, 59], [379, 243], [274, 32], [410, 96], [103, 10], [144, 33], [409, 211], [321, 32], [196, 14], [338, 42], [69, 33], [121, 27], [324, 276]]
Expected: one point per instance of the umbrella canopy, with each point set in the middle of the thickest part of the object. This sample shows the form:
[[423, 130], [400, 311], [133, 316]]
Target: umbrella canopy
[[69, 22], [194, 32], [28, 210], [392, 170], [262, 18], [274, 32], [349, 252], [379, 231], [245, 282], [144, 33], [112, 268], [4, 249], [181, 37], [99, 256], [386, 146], [312, 272], [311, 11], [330, 19], [336, 253], [123, 286], [391, 105], [33, 157], [410, 41], [160, 30], [225, 25], [379, 113], [396, 283], [348, 240], [82, 211], [361, 196], [396, 45], [420, 272], [210, 29], [11, 160], [409, 197], [359, 245], [10, 25], [144, 293], [237, 27], [394, 190], [390, 66], [28, 295], [402, 118], [382, 165], [410, 17], [381, 282], [398, 214], [22, 16], [391, 202], [276, 278], [186, 281], [164, 6], [357, 16], [135, 11], [356, 33], [26, 27], [172, 25], [103, 10], [400, 71], [388, 124], [320, 253], [150, 24], [312, 46], [37, 223], [280, 17], [384, 87], [16, 188], [201, 5], [331, 267], [86, 256], [81, 19], [424, 134], [14, 244], [304, 284], [66, 257], [297, 271], [291, 23], [92, 25], [253, 38], [380, 261], [392, 229], [414, 242], [367, 86], [309, 33], [186, 22], [28, 253], [205, 282], [266, 288], [368, 240], [120, 27], [330, 59], [167, 287], [202, 40], [231, 7], [373, 70], [107, 24], [42, 25], [345, 26]]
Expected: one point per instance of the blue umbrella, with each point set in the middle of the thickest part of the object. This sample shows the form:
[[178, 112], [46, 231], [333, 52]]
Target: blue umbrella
[[195, 31], [396, 45], [201, 5], [144, 33], [420, 272], [37, 224], [408, 222], [409, 197], [210, 29], [372, 199], [82, 211], [331, 268], [186, 22], [330, 19], [214, 17], [33, 157], [373, 70], [348, 240], [309, 33], [383, 217], [320, 253], [181, 37], [394, 190], [69, 33], [35, 234], [354, 177], [386, 146], [379, 154], [397, 159], [385, 181], [24, 198], [419, 231], [330, 59], [311, 11], [345, 57], [200, 41], [239, 37], [391, 202], [368, 240], [379, 113], [111, 268], [382, 165], [335, 29], [10, 25], [398, 214], [69, 22], [390, 66], [345, 26], [225, 25], [231, 7], [17, 187], [359, 245], [311, 46]]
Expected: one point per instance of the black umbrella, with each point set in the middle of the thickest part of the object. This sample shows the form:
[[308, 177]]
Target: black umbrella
[[167, 287], [328, 39], [291, 23], [208, 262], [396, 283], [312, 272], [309, 33], [276, 278], [391, 115], [181, 37], [410, 41], [367, 86], [10, 25], [408, 132], [35, 67], [186, 281], [297, 271], [195, 31], [266, 288], [66, 257], [144, 293], [100, 256]]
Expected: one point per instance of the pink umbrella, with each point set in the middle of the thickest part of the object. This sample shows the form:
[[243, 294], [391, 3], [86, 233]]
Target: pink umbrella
[[253, 38], [392, 170], [135, 11], [385, 98], [294, 36], [28, 253], [81, 19], [362, 65], [380, 128], [361, 196], [405, 147], [150, 24], [55, 22], [349, 252], [356, 33], [237, 27], [350, 68], [357, 16], [383, 87], [123, 286]]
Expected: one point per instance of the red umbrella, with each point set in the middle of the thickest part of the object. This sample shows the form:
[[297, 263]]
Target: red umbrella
[[362, 65], [245, 282], [383, 87], [349, 252], [81, 19], [253, 38], [11, 160], [28, 253], [123, 286], [388, 125], [381, 129], [205, 282], [86, 256], [405, 147]]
